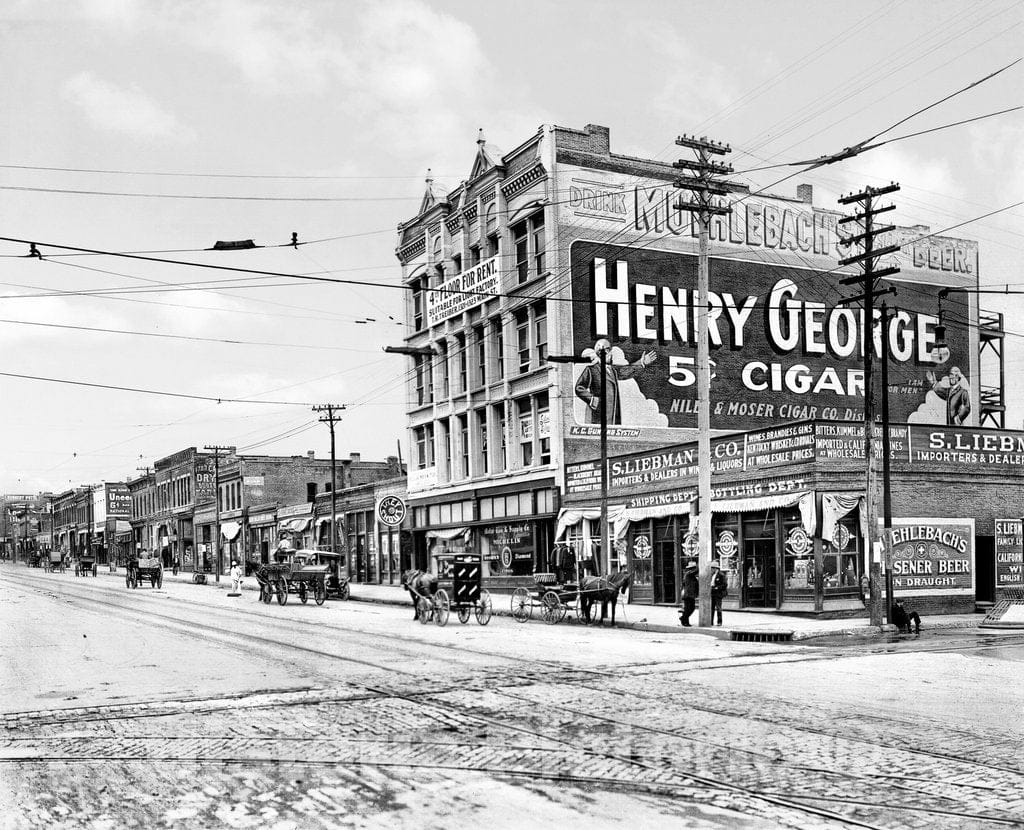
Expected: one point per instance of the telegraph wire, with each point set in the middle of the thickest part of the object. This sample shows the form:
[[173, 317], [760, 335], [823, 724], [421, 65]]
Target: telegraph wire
[[212, 175], [68, 191], [150, 391]]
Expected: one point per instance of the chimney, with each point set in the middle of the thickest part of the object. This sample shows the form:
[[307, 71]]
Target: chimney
[[805, 193], [354, 456], [310, 454]]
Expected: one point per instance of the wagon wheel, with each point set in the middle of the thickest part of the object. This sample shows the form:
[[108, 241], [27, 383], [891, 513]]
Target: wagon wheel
[[484, 608], [425, 606], [302, 593], [442, 608], [345, 591], [319, 593], [158, 579], [522, 605], [281, 589], [551, 610], [464, 612]]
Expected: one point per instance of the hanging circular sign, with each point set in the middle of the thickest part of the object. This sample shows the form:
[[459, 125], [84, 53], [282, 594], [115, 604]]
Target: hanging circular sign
[[726, 544], [841, 537], [391, 511], [690, 544], [642, 548], [799, 543]]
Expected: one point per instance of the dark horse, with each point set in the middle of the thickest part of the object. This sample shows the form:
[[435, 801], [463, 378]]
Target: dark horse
[[418, 584], [603, 589]]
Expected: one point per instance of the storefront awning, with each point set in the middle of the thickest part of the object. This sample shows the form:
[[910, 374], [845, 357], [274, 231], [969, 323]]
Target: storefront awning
[[570, 517], [298, 525], [447, 533], [121, 526], [836, 505], [808, 515], [229, 530]]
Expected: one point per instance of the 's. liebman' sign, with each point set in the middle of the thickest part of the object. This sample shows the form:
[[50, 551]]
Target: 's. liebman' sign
[[782, 348], [1009, 553], [932, 556], [463, 292]]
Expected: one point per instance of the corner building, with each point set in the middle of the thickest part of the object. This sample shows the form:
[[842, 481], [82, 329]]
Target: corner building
[[560, 244]]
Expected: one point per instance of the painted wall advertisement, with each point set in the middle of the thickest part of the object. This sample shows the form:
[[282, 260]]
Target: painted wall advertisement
[[932, 556], [1009, 553], [781, 348], [205, 479], [119, 501]]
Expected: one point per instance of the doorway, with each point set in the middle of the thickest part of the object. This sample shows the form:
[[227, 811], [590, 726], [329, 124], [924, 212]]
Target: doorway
[[665, 535], [760, 574], [985, 562]]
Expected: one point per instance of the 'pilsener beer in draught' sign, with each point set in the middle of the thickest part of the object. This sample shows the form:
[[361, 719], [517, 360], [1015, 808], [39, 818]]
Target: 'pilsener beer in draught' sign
[[932, 556]]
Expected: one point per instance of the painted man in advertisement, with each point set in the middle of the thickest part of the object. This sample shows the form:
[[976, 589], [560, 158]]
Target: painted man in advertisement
[[953, 389], [588, 384]]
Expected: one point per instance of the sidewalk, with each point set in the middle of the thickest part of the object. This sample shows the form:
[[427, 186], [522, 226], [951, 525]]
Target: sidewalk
[[656, 618]]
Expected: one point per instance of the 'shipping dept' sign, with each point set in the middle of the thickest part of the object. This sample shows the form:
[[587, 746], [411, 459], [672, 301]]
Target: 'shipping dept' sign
[[1009, 553], [932, 556], [781, 348]]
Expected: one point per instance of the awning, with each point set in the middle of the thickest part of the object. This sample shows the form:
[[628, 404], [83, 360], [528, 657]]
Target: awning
[[808, 515], [447, 533], [229, 530], [570, 517], [294, 525], [121, 526], [836, 505]]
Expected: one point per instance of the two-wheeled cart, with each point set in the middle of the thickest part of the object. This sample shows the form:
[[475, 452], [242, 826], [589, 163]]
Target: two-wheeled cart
[[85, 565], [55, 561]]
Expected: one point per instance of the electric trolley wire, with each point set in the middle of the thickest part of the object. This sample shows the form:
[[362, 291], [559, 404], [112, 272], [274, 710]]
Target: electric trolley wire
[[68, 191], [280, 177]]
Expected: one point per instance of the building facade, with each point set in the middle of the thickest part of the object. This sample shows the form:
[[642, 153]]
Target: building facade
[[562, 247]]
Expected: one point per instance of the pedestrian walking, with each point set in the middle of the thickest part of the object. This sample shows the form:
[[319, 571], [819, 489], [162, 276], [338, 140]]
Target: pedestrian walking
[[236, 580], [719, 591], [691, 589]]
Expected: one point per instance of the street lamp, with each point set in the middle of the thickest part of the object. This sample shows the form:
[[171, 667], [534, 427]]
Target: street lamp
[[601, 348]]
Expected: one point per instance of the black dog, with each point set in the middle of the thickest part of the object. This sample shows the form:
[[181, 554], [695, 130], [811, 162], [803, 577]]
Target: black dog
[[901, 618]]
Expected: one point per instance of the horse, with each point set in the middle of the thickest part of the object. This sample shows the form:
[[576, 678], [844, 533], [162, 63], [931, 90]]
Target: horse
[[418, 584], [603, 589]]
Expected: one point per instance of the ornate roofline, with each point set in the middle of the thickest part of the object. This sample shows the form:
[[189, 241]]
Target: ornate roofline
[[523, 180]]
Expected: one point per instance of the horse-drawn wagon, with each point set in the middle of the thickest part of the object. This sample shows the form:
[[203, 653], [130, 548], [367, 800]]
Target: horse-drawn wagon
[[468, 596], [557, 600], [301, 572], [85, 564], [150, 568], [54, 561]]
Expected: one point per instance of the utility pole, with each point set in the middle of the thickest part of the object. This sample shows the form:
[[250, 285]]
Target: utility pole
[[217, 450], [330, 417], [865, 200], [886, 474], [704, 184]]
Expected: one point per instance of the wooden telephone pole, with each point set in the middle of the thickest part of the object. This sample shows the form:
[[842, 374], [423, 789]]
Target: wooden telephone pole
[[864, 218], [704, 184], [217, 450], [331, 417]]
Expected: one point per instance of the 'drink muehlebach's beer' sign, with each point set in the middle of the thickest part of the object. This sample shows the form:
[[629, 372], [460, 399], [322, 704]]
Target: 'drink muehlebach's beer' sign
[[932, 556], [782, 348]]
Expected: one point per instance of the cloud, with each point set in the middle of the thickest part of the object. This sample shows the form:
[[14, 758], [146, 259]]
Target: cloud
[[129, 111]]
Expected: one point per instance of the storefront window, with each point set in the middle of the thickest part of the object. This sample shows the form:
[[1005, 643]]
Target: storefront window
[[841, 559], [725, 548], [798, 556]]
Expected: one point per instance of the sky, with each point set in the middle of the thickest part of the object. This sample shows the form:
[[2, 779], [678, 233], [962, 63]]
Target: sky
[[188, 122]]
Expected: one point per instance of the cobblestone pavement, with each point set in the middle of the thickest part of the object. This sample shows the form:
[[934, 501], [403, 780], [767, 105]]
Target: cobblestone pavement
[[238, 716]]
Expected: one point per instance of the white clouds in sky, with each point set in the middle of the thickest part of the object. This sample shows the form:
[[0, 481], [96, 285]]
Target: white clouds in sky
[[108, 106]]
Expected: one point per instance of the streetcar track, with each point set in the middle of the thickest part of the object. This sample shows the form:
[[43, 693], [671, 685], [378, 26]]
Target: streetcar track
[[416, 698]]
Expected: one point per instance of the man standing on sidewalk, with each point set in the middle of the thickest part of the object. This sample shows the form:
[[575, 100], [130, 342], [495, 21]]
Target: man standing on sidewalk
[[691, 589], [236, 580], [719, 588]]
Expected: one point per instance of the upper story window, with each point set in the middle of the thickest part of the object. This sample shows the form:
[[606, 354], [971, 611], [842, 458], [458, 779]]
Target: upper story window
[[491, 230], [438, 259], [461, 361], [498, 335], [480, 354], [528, 245], [522, 317], [474, 255], [424, 379], [442, 365], [418, 303], [457, 263], [540, 332], [424, 439]]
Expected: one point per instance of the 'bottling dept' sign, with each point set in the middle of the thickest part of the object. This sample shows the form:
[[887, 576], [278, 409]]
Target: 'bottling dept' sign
[[463, 292], [1009, 553], [781, 348], [932, 556]]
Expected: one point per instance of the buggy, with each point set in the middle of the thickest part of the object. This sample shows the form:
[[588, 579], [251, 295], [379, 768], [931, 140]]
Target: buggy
[[85, 564], [139, 569]]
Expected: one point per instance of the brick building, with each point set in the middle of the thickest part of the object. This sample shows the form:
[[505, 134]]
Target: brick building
[[563, 246]]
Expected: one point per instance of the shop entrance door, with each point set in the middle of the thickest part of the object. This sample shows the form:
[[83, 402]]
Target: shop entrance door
[[760, 573], [665, 569]]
